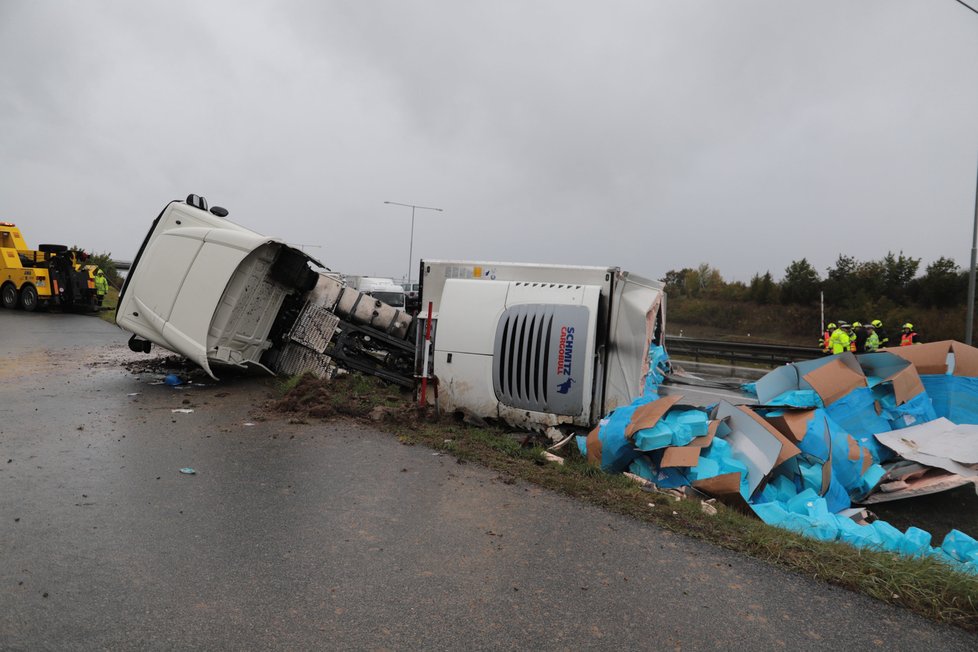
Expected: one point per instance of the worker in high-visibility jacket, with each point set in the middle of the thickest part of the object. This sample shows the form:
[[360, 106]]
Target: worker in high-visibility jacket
[[872, 339], [824, 342], [841, 338], [880, 333], [909, 336], [101, 286]]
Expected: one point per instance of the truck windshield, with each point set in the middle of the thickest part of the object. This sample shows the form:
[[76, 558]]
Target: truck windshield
[[395, 299]]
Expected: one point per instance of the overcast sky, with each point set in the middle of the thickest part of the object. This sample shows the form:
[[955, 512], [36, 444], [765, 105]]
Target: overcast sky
[[645, 134]]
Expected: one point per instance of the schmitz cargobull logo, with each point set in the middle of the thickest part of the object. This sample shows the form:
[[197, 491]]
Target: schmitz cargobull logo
[[565, 357]]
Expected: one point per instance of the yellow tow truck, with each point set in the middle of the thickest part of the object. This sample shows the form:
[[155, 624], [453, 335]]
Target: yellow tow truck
[[51, 275]]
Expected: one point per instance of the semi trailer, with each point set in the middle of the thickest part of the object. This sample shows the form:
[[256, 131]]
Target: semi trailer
[[541, 346]]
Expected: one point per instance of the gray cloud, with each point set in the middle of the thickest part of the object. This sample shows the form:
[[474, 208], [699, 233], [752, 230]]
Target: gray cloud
[[649, 135]]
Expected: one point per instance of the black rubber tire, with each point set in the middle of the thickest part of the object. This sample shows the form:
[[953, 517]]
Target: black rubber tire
[[9, 296], [28, 298]]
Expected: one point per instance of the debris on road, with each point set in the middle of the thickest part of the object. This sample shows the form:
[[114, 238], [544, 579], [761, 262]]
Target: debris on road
[[827, 433], [550, 457], [188, 471], [173, 380], [182, 410]]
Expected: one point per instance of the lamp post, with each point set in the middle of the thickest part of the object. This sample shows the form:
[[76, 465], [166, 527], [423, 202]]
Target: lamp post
[[413, 207], [969, 322]]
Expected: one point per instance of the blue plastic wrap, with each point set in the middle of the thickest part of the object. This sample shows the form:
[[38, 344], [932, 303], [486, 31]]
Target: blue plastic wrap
[[960, 547], [915, 542], [677, 427], [849, 473], [801, 398], [658, 365], [809, 515], [856, 413], [617, 451], [919, 409], [669, 478], [954, 397]]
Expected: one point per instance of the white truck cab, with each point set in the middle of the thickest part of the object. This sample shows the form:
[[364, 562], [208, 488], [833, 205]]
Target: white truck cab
[[209, 289], [225, 296]]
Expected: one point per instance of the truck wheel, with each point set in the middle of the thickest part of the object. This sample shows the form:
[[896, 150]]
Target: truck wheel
[[28, 298], [8, 296]]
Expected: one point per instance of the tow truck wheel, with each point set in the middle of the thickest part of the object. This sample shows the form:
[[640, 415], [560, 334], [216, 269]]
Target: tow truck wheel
[[28, 298], [8, 296]]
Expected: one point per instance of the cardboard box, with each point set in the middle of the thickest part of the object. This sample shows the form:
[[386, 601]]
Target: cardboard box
[[726, 489], [930, 358], [892, 368], [649, 414], [754, 442], [799, 374], [835, 379]]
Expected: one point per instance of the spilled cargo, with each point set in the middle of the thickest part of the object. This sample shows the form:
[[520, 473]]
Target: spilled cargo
[[827, 435]]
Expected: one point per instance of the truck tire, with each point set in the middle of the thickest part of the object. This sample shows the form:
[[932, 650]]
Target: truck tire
[[28, 298], [9, 296]]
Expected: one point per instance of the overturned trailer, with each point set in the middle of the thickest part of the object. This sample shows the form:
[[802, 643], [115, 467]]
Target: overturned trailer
[[227, 297], [548, 347]]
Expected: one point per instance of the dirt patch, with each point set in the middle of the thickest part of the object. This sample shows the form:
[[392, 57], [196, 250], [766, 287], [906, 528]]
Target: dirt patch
[[162, 365], [348, 395]]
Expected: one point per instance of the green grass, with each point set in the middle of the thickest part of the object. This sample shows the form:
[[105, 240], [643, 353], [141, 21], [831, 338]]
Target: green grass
[[925, 586], [110, 301]]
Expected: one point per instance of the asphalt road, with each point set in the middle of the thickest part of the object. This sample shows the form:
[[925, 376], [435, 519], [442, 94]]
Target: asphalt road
[[334, 536]]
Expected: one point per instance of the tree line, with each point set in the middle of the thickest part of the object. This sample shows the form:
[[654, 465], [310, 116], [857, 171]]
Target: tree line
[[850, 285]]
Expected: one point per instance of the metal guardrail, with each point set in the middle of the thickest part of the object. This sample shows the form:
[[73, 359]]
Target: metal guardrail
[[733, 352]]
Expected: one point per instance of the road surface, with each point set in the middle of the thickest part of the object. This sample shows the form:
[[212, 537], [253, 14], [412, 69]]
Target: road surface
[[335, 536]]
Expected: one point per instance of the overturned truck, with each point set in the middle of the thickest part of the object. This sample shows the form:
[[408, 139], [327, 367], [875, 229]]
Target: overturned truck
[[547, 347], [227, 297]]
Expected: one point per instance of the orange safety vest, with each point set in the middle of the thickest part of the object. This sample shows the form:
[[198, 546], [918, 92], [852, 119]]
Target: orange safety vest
[[906, 339], [826, 345]]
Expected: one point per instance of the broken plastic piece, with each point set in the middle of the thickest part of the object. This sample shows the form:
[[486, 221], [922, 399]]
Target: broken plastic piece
[[173, 380], [188, 471]]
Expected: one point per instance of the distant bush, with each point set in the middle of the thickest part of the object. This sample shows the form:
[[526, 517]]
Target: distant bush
[[888, 289]]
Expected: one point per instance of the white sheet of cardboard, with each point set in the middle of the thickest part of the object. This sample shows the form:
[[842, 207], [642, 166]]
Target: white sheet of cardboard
[[940, 443]]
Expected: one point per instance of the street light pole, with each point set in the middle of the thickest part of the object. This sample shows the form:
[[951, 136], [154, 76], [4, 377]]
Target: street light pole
[[413, 207], [969, 322]]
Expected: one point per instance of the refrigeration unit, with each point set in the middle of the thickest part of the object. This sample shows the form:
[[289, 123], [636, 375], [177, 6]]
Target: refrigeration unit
[[539, 346]]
